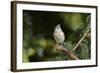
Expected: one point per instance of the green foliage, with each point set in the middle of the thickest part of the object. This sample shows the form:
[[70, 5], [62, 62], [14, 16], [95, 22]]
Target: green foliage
[[38, 40]]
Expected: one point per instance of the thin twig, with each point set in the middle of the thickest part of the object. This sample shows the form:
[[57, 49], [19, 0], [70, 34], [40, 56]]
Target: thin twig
[[81, 40], [71, 55]]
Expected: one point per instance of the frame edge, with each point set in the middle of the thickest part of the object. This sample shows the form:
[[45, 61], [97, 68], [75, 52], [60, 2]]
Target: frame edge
[[13, 36]]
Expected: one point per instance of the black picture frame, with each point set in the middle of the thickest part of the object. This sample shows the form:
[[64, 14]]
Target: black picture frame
[[14, 35]]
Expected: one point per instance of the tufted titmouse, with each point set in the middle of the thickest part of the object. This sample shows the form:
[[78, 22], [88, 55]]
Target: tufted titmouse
[[59, 35]]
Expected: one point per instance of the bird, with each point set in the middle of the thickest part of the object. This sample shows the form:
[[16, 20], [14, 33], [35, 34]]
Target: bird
[[59, 35]]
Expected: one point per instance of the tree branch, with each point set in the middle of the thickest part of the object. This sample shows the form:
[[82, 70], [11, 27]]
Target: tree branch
[[81, 40], [71, 55]]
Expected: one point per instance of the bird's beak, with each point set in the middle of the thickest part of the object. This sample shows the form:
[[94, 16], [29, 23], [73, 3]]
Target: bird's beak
[[54, 28]]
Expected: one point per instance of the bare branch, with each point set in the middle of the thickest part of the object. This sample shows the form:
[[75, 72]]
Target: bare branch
[[81, 40], [71, 55]]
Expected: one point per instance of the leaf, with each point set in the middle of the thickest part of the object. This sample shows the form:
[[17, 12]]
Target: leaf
[[84, 51], [69, 45]]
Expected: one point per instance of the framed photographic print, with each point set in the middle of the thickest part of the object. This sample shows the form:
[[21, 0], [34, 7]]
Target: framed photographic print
[[52, 36]]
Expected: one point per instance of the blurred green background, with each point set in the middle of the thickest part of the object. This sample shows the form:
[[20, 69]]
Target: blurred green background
[[38, 40]]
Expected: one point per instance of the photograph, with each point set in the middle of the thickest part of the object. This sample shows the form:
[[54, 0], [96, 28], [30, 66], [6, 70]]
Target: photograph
[[44, 30], [52, 36]]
